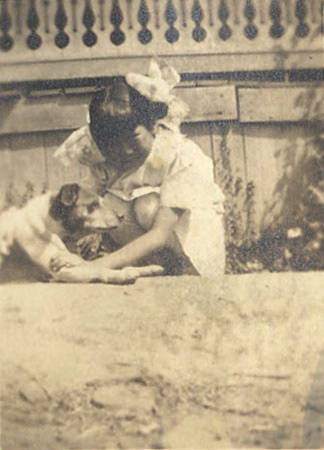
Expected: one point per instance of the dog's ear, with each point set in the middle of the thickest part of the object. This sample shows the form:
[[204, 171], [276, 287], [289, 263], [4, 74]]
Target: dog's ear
[[69, 194]]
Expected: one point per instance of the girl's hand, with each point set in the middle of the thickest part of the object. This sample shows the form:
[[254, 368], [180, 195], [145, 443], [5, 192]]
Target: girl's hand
[[64, 260], [130, 274], [154, 239]]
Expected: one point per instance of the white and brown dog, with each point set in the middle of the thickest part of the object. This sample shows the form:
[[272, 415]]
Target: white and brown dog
[[40, 226]]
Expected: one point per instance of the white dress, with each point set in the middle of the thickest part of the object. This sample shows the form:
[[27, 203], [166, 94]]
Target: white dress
[[180, 173]]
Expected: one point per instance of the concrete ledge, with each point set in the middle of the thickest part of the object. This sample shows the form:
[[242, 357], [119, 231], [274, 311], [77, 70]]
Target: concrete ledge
[[174, 362]]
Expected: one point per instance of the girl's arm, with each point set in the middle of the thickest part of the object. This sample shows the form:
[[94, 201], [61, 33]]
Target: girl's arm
[[152, 240]]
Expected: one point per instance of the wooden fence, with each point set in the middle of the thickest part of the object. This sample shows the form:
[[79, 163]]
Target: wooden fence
[[259, 149]]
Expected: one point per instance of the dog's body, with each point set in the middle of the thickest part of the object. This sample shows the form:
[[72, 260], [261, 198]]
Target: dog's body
[[40, 226]]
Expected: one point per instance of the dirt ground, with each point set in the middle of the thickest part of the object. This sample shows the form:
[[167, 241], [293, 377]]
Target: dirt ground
[[173, 362]]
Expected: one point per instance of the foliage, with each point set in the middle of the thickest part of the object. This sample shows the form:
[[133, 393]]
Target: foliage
[[294, 240], [240, 228], [298, 242]]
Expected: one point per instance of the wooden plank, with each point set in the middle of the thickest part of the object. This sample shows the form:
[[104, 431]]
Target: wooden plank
[[5, 169], [57, 173], [230, 140], [52, 140], [58, 112], [28, 171], [230, 171], [281, 104], [184, 63], [200, 134], [42, 114], [210, 102], [274, 155]]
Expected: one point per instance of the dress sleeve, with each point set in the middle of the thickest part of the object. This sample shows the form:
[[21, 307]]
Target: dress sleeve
[[81, 161], [190, 183], [75, 149]]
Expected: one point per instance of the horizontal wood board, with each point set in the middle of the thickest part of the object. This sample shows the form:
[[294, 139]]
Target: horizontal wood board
[[106, 67], [60, 112], [286, 104]]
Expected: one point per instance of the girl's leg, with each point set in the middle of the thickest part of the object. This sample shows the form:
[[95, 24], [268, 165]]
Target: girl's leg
[[128, 228], [172, 257], [145, 210]]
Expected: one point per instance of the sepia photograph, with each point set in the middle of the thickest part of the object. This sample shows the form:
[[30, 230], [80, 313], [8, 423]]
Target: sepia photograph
[[161, 224]]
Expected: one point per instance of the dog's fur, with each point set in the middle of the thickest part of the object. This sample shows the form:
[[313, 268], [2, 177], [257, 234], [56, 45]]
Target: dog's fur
[[40, 226]]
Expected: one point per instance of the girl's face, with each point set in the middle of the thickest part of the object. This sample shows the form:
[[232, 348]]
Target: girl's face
[[130, 150]]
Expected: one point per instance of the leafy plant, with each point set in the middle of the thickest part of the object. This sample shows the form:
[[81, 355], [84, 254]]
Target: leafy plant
[[297, 242], [294, 236], [239, 217]]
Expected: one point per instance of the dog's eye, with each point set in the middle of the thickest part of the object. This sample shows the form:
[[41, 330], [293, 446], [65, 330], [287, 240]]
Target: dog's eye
[[94, 205]]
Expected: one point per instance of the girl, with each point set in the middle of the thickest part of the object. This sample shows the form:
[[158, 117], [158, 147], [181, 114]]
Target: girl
[[158, 182]]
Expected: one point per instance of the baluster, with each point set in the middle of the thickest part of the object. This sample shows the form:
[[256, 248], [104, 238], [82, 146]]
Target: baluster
[[250, 30], [288, 11], [74, 15], [313, 10], [46, 18], [302, 29], [143, 17], [199, 33], [33, 40], [18, 16], [6, 41], [276, 30], [129, 4], [61, 38], [102, 14], [225, 31], [156, 11], [236, 9], [210, 13], [171, 34], [117, 36], [183, 13], [261, 11], [89, 38]]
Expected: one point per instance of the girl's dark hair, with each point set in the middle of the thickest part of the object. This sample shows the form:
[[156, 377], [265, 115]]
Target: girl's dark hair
[[118, 109]]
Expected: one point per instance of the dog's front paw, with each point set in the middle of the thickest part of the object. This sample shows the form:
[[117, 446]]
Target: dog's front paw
[[59, 262]]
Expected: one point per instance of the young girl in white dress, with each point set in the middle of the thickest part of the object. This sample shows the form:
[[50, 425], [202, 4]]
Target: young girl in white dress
[[160, 183]]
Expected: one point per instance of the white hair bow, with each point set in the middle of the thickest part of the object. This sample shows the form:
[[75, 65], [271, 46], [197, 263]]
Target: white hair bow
[[157, 86]]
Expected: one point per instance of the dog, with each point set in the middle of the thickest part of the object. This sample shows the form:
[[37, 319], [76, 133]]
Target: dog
[[40, 226]]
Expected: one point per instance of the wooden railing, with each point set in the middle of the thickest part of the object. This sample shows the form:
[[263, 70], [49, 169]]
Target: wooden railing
[[49, 31]]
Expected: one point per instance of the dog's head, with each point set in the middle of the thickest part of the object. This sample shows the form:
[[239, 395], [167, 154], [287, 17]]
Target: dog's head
[[79, 209]]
